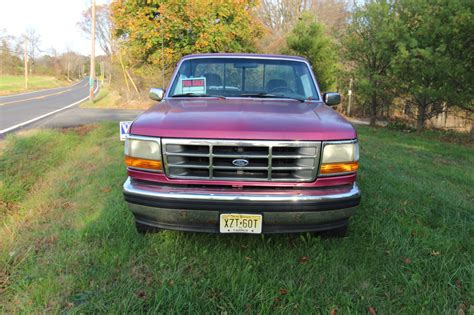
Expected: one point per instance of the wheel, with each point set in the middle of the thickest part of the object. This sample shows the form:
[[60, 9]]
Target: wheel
[[334, 233], [144, 228]]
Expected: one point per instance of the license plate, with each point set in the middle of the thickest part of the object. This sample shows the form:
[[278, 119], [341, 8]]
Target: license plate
[[240, 223]]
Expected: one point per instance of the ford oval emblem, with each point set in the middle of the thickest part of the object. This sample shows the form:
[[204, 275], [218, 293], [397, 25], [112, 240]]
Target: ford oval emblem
[[240, 162]]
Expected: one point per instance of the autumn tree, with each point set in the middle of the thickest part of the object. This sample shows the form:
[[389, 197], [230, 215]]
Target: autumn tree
[[370, 46], [435, 60], [155, 34], [308, 39]]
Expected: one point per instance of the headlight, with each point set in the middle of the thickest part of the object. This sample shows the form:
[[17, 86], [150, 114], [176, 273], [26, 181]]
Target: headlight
[[143, 153], [339, 158]]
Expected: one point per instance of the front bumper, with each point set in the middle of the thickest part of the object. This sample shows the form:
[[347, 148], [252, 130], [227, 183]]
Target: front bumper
[[197, 209]]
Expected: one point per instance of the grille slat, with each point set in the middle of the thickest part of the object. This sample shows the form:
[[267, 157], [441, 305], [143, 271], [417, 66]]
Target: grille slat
[[242, 156], [187, 154], [292, 168], [267, 160], [239, 168], [189, 166]]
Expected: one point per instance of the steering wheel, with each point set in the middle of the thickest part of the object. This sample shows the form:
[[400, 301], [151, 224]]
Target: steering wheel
[[281, 89]]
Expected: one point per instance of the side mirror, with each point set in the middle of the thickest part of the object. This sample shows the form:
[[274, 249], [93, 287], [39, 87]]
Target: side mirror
[[332, 98], [156, 94]]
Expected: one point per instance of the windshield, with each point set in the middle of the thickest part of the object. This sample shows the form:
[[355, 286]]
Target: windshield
[[244, 77]]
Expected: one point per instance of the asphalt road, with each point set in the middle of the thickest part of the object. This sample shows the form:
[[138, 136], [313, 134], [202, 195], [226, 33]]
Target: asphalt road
[[23, 109], [77, 116]]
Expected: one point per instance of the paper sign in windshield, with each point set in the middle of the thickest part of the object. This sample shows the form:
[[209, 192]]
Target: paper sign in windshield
[[194, 85]]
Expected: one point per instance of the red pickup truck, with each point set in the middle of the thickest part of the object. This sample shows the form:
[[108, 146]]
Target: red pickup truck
[[242, 143]]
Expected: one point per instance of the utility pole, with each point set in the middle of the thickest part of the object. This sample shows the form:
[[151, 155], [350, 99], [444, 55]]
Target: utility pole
[[68, 71], [92, 70], [350, 98], [25, 60]]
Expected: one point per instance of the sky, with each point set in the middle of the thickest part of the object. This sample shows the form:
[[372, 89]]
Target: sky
[[54, 20]]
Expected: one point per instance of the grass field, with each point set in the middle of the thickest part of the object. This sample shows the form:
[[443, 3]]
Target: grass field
[[11, 84], [68, 243]]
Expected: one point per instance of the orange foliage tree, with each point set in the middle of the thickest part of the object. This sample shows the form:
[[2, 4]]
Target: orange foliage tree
[[155, 34]]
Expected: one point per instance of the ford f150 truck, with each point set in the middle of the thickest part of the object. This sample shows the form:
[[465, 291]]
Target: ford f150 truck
[[242, 143]]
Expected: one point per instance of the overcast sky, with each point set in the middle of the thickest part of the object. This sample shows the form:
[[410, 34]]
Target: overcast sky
[[54, 20]]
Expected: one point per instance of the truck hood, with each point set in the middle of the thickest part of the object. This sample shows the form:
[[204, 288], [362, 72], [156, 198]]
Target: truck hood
[[246, 119]]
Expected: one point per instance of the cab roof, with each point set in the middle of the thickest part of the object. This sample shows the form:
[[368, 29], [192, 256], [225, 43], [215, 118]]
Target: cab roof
[[244, 55]]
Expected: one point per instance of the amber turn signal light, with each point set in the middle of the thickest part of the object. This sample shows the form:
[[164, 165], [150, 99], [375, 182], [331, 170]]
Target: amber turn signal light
[[331, 168], [142, 163]]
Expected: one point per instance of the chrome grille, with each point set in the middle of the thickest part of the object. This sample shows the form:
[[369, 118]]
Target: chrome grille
[[295, 161]]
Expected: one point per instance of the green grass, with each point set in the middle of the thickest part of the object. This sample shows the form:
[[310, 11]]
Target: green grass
[[110, 98], [11, 84], [68, 243], [106, 98]]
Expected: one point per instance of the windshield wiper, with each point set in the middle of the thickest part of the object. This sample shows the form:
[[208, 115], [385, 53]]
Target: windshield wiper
[[197, 95], [269, 95]]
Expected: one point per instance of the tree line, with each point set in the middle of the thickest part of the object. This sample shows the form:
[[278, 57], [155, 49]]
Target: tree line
[[418, 53], [13, 50]]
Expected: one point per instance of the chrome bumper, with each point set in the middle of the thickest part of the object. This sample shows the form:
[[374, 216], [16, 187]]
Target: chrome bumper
[[198, 209]]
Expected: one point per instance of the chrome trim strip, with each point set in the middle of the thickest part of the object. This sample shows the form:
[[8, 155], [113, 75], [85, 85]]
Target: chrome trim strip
[[253, 168], [145, 138], [190, 166], [145, 170], [187, 154], [340, 141], [250, 143], [211, 161], [240, 156], [270, 163], [190, 194]]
